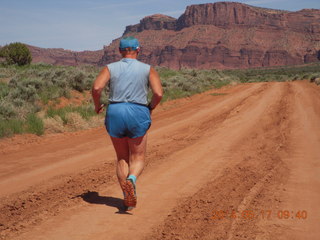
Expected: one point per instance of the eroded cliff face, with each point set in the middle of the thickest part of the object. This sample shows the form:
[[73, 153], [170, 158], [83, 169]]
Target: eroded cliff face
[[214, 35], [226, 35], [154, 22], [59, 56]]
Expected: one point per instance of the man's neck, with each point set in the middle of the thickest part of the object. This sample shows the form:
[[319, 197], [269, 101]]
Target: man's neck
[[130, 56]]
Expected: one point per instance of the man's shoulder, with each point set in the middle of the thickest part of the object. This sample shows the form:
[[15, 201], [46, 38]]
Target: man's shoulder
[[114, 63], [121, 62], [143, 64]]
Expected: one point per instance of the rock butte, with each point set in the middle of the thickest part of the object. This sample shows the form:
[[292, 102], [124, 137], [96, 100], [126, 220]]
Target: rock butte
[[215, 35]]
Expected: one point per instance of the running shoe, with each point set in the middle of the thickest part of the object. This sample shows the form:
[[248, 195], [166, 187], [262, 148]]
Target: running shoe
[[130, 196]]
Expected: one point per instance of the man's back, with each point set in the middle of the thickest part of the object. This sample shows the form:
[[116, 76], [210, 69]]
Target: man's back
[[129, 81]]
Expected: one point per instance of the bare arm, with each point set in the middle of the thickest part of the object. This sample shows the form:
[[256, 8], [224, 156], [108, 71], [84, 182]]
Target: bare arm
[[98, 85], [156, 87]]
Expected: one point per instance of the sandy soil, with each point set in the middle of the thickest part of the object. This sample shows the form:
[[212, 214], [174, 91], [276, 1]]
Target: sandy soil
[[241, 162]]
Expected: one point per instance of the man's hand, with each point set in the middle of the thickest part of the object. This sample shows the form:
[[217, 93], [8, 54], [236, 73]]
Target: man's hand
[[100, 109]]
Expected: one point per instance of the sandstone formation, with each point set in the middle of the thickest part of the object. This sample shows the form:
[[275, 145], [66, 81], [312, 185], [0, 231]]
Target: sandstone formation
[[226, 35], [214, 35], [59, 56], [154, 22]]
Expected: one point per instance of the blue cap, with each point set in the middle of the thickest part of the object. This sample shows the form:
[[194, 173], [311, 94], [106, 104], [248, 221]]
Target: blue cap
[[129, 42]]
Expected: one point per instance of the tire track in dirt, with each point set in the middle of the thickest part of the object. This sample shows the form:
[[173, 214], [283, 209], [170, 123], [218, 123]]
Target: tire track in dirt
[[232, 148], [161, 178], [25, 209], [29, 207], [301, 192], [190, 129], [198, 216]]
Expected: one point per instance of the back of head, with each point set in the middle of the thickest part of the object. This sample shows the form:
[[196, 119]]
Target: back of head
[[129, 44]]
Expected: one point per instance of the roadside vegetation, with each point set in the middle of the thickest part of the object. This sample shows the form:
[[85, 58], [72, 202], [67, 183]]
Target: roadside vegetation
[[16, 53], [38, 98], [29, 96]]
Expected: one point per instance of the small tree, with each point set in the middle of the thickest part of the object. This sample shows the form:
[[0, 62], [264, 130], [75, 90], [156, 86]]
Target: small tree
[[16, 53]]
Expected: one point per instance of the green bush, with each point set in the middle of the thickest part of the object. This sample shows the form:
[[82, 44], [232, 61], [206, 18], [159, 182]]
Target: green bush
[[16, 53], [26, 90], [80, 82], [86, 111], [10, 127], [166, 73], [4, 90], [35, 124], [7, 109]]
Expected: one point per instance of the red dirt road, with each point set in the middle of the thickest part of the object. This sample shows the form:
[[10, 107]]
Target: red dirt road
[[241, 162]]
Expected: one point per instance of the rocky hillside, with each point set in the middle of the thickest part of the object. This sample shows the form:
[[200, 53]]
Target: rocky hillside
[[214, 35], [59, 56], [226, 35]]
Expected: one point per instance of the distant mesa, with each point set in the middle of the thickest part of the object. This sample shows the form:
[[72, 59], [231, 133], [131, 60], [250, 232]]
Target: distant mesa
[[60, 56], [153, 22], [215, 35]]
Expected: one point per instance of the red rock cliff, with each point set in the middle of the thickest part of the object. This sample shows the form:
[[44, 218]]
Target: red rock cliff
[[59, 56], [226, 35]]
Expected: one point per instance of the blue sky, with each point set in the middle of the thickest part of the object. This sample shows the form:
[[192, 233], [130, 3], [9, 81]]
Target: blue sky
[[89, 25]]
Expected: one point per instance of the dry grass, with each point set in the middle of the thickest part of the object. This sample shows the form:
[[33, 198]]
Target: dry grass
[[75, 121], [53, 125], [96, 121]]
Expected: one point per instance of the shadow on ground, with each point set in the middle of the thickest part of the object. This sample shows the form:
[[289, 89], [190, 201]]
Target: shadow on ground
[[94, 198]]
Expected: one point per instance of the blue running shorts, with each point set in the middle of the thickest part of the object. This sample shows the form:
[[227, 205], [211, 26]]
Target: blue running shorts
[[127, 120]]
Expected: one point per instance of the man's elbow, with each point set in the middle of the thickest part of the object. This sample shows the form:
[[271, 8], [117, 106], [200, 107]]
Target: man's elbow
[[96, 89]]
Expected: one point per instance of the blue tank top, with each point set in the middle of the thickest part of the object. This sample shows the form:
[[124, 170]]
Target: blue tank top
[[129, 81]]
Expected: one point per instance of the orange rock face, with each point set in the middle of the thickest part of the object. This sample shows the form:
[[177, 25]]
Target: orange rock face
[[59, 56], [226, 35], [215, 35]]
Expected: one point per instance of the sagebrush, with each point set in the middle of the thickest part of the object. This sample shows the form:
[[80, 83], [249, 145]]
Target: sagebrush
[[29, 94]]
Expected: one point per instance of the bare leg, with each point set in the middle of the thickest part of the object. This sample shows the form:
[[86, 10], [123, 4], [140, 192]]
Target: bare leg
[[122, 165], [130, 161], [137, 148]]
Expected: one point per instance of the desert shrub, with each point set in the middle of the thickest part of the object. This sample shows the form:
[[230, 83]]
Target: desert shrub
[[26, 93], [85, 111], [16, 53], [7, 110], [295, 77], [25, 90], [189, 86], [80, 82], [31, 87], [96, 121], [75, 121], [9, 127], [166, 73], [34, 124], [286, 73], [221, 83], [4, 90], [61, 112], [174, 93], [52, 93], [53, 125]]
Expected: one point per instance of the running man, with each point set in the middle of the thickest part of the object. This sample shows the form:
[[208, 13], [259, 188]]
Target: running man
[[128, 116]]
